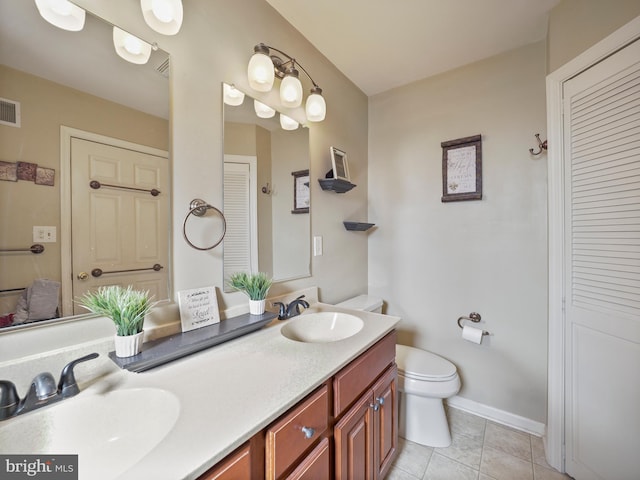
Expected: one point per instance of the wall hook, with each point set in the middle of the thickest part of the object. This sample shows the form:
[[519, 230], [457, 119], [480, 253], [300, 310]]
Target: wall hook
[[266, 189], [541, 146]]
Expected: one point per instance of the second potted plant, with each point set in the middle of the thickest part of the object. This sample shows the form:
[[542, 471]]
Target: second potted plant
[[255, 286], [127, 309]]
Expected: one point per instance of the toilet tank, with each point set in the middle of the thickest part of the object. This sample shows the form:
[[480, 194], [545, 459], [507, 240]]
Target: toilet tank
[[363, 302]]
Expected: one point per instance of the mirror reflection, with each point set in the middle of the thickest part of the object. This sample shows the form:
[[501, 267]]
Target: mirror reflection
[[266, 195], [84, 114]]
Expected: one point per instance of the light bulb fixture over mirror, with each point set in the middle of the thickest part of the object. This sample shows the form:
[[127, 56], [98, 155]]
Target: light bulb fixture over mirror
[[288, 123], [163, 16], [130, 47], [262, 110], [264, 67], [232, 96], [62, 14]]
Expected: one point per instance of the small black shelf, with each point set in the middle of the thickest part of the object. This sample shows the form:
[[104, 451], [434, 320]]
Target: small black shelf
[[166, 349], [336, 184], [358, 226]]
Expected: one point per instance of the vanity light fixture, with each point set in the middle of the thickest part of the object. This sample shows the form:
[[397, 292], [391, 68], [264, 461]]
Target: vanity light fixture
[[264, 67], [262, 110], [62, 14], [288, 123], [164, 16], [130, 47], [232, 96]]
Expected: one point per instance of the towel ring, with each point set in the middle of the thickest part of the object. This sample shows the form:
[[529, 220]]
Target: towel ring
[[198, 208], [475, 318]]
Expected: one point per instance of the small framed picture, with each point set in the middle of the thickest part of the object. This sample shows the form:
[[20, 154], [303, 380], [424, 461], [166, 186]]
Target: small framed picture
[[339, 164], [462, 169], [301, 193]]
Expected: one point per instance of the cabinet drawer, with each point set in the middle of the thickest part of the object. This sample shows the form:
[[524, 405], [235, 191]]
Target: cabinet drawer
[[296, 432], [315, 465], [356, 377]]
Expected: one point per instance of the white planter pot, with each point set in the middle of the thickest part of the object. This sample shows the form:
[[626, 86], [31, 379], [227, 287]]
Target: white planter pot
[[128, 346], [257, 307]]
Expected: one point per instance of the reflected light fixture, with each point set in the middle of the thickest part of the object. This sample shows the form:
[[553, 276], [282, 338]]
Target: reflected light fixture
[[130, 47], [62, 13], [288, 123], [164, 16], [262, 110], [232, 96], [264, 67]]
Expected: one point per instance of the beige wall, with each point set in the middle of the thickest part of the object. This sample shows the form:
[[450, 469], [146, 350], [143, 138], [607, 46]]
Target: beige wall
[[45, 106], [576, 25], [433, 262]]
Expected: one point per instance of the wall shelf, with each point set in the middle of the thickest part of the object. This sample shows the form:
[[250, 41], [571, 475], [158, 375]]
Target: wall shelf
[[358, 226], [335, 184]]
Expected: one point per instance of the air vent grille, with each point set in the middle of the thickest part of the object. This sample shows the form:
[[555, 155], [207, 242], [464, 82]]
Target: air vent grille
[[163, 68], [9, 112]]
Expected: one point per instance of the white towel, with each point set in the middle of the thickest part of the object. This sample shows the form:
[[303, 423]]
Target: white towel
[[42, 299]]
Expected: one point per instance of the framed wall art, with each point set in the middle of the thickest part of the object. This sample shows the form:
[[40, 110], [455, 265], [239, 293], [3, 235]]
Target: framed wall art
[[339, 164], [301, 192], [462, 169]]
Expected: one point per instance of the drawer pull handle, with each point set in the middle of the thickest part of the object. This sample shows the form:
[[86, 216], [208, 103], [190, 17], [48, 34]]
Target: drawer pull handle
[[380, 400], [375, 407], [308, 432]]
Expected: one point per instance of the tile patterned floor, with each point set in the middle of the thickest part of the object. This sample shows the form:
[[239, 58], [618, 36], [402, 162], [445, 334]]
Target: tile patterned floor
[[480, 450]]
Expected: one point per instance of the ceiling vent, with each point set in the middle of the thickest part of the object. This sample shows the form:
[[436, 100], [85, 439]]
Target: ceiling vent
[[163, 68], [9, 112]]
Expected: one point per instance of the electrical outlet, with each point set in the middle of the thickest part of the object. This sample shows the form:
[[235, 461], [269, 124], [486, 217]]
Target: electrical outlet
[[317, 246], [44, 234]]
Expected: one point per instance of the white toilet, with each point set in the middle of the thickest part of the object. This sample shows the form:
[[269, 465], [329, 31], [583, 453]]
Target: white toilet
[[424, 380]]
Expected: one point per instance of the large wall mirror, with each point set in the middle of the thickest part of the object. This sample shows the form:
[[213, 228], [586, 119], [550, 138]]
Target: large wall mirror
[[85, 115], [266, 195]]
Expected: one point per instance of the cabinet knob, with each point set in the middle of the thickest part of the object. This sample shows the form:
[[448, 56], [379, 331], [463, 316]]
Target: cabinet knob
[[375, 407], [380, 400], [308, 432], [83, 276]]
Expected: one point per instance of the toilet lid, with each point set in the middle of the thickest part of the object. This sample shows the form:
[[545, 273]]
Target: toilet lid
[[422, 365]]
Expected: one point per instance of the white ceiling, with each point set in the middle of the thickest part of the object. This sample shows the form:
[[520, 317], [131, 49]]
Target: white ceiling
[[382, 44]]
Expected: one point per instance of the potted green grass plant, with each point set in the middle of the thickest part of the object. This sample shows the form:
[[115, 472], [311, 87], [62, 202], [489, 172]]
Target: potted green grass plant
[[255, 286], [127, 309]]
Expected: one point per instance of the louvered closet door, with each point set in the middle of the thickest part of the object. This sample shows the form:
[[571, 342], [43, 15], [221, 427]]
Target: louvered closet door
[[602, 271]]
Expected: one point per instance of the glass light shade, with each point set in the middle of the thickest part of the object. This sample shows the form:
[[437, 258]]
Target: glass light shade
[[291, 92], [130, 47], [164, 16], [262, 110], [316, 107], [287, 123], [62, 13], [260, 72], [233, 96]]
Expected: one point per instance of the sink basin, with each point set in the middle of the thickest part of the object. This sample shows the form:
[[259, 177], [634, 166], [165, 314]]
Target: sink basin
[[322, 327], [109, 432]]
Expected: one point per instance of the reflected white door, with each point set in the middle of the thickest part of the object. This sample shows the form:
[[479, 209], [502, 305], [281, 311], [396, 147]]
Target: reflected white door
[[119, 228], [602, 269]]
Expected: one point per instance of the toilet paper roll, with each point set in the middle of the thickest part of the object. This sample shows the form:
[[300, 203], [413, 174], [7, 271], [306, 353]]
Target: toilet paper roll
[[472, 334]]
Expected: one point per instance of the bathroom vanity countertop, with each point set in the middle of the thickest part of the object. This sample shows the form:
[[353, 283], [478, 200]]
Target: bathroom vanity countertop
[[230, 392]]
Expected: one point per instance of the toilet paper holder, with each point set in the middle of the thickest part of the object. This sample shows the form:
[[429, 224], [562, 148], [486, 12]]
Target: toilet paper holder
[[475, 318]]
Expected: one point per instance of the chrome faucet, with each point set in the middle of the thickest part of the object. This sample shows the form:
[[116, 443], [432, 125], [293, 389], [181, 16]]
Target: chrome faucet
[[42, 391], [293, 309]]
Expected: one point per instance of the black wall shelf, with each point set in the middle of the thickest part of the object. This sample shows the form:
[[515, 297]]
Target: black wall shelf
[[335, 184], [358, 226]]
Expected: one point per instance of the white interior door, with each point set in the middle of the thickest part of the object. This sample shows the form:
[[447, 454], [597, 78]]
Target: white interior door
[[602, 269], [119, 229]]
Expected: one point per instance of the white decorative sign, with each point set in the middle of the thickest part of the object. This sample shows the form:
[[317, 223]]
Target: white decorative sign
[[461, 166], [198, 308]]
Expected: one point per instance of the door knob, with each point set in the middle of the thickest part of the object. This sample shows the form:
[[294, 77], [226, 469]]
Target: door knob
[[83, 276]]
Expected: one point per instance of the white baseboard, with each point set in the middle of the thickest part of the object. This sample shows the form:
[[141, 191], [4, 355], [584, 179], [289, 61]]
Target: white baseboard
[[499, 416]]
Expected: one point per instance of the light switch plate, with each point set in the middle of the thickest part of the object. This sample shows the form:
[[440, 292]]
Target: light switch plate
[[317, 246], [44, 234]]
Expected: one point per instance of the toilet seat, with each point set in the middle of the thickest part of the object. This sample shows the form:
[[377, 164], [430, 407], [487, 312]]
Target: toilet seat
[[416, 364]]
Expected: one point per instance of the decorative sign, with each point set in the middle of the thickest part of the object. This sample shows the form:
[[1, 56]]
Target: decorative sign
[[198, 308], [301, 192], [462, 169]]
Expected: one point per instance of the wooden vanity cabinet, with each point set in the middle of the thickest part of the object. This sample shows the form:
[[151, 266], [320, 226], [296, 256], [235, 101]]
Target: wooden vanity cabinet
[[346, 429]]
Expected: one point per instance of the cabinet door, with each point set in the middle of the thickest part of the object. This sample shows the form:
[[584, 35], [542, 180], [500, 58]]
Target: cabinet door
[[353, 436], [316, 465], [386, 422], [236, 466]]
